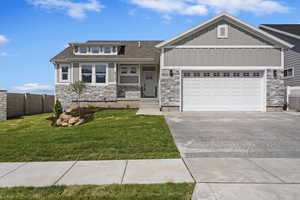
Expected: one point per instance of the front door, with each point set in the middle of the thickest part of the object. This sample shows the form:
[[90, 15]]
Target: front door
[[149, 87]]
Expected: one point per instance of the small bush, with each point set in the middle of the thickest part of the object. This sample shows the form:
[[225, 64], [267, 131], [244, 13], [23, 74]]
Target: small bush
[[58, 110]]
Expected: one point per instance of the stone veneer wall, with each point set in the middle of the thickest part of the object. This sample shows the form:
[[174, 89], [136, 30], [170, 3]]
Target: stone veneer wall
[[91, 94], [170, 88], [129, 91], [3, 105], [275, 90]]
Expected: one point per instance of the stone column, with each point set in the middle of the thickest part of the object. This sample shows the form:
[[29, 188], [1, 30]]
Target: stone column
[[3, 105]]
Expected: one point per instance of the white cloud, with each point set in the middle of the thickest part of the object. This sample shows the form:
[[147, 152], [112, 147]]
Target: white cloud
[[254, 6], [202, 7], [33, 87], [3, 54], [184, 7], [74, 9], [3, 39]]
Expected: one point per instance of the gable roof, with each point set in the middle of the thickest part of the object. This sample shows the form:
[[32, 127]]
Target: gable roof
[[140, 49], [291, 30], [219, 17]]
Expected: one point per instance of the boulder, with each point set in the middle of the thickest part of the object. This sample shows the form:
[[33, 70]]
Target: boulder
[[81, 121], [73, 120], [65, 117]]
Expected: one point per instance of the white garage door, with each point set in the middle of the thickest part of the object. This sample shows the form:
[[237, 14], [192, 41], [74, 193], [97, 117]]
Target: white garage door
[[222, 91]]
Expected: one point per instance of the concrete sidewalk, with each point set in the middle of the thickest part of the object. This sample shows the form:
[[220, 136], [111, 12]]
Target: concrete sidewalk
[[216, 178], [40, 174]]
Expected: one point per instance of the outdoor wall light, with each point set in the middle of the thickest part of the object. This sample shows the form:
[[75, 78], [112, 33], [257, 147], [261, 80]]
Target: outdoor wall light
[[171, 73]]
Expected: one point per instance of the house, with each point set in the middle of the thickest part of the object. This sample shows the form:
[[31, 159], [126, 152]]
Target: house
[[223, 64], [289, 33]]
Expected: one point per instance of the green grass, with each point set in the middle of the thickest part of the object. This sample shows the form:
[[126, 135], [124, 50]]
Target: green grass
[[110, 192], [114, 134]]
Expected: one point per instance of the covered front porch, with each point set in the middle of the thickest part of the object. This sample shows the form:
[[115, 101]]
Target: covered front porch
[[137, 81]]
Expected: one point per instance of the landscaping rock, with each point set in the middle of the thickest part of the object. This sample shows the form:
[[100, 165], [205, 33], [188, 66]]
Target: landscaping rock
[[74, 120], [72, 117]]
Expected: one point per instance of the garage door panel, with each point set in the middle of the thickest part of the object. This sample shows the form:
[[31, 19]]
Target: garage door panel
[[222, 94]]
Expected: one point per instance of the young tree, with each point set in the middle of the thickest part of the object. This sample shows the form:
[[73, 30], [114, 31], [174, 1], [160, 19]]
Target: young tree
[[58, 110], [78, 87]]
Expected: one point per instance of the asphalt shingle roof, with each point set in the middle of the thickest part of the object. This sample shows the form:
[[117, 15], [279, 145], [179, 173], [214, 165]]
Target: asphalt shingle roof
[[289, 28], [146, 49]]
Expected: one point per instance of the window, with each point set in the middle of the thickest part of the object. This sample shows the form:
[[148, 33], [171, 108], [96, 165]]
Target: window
[[256, 74], [93, 73], [197, 74], [100, 73], [246, 74], [95, 50], [83, 50], [226, 74], [186, 74], [206, 74], [288, 73], [222, 31], [107, 50], [65, 73], [87, 73], [129, 75], [236, 74], [216, 74]]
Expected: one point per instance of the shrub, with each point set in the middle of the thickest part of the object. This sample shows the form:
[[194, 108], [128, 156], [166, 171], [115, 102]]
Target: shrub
[[58, 110]]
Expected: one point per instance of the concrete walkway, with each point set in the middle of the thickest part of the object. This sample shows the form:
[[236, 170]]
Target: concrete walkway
[[40, 174], [216, 178], [245, 179]]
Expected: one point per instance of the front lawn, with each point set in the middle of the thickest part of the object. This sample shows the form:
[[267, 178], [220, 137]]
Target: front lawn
[[111, 192], [114, 134]]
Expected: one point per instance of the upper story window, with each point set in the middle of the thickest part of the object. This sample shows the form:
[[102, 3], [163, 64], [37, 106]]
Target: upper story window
[[288, 73], [93, 73], [222, 31], [83, 50], [96, 50], [65, 73]]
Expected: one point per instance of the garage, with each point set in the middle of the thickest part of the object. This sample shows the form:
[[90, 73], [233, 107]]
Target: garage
[[223, 91]]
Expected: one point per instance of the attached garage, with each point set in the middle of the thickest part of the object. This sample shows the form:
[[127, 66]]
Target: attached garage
[[223, 91]]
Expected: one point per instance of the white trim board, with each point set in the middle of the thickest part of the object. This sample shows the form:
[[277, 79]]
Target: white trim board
[[214, 68], [222, 47], [279, 31], [222, 15]]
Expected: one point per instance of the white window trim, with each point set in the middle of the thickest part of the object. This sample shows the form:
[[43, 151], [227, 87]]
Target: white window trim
[[100, 53], [219, 31], [69, 73], [138, 73], [292, 76], [94, 73]]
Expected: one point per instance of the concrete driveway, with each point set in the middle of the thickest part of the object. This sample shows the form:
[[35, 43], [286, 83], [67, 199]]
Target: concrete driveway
[[236, 134]]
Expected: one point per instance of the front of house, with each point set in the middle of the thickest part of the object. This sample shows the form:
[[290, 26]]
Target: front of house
[[223, 64]]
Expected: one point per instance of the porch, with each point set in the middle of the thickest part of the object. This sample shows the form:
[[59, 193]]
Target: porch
[[137, 81]]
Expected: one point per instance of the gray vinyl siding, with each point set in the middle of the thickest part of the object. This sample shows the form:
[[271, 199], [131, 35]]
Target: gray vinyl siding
[[291, 58], [236, 36], [112, 73], [222, 57], [75, 72]]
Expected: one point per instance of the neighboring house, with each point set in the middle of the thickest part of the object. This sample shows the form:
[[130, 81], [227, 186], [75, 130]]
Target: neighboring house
[[223, 64], [291, 34]]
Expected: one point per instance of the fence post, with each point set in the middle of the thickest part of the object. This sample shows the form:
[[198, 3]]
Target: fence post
[[3, 105], [288, 97], [44, 96]]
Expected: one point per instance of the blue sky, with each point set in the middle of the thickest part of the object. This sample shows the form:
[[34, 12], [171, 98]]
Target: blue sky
[[33, 31]]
